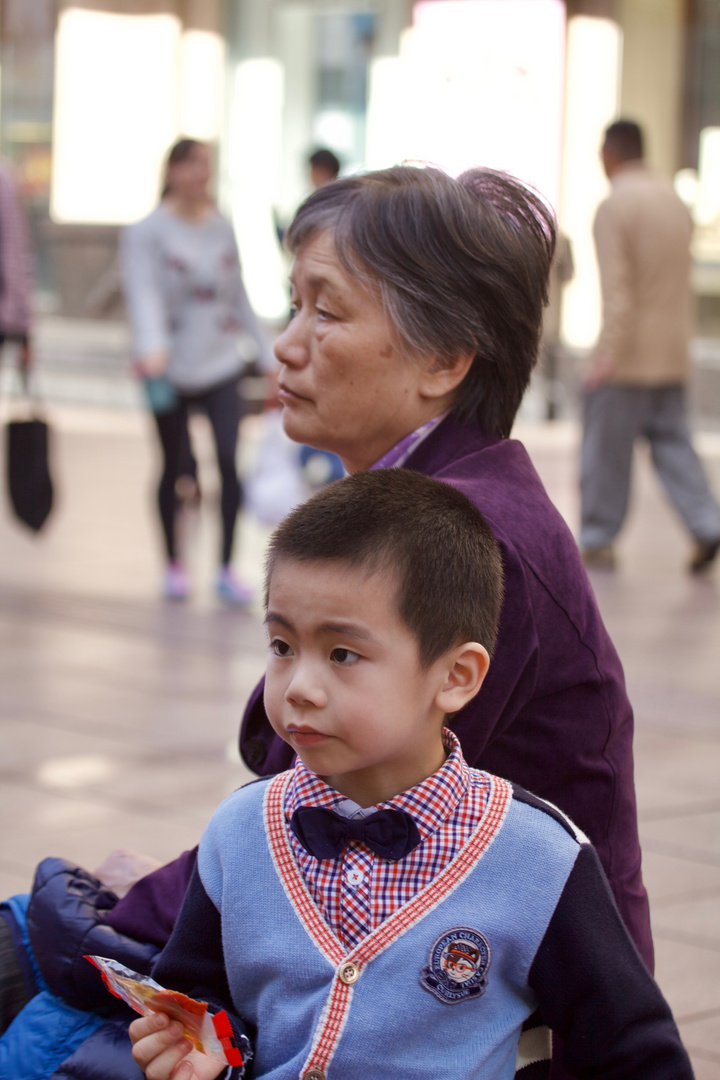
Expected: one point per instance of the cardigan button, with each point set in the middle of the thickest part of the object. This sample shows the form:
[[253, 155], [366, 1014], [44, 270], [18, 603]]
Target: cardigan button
[[314, 1074], [349, 973]]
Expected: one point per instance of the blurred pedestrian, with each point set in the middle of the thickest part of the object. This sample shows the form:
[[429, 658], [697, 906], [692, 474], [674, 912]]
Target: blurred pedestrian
[[562, 271], [324, 167], [188, 306], [637, 380], [15, 269]]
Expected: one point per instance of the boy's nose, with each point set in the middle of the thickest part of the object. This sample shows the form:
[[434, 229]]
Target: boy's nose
[[305, 688]]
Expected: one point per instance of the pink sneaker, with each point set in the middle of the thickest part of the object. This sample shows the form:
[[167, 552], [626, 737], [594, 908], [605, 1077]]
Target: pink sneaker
[[231, 588], [175, 583]]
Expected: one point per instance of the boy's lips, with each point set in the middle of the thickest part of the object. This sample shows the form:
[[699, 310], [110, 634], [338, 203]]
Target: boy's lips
[[306, 736]]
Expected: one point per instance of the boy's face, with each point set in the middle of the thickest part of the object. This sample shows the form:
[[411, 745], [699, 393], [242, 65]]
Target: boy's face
[[344, 685]]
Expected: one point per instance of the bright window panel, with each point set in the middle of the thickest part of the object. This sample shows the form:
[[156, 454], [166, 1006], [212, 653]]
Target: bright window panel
[[479, 82], [115, 113], [592, 97]]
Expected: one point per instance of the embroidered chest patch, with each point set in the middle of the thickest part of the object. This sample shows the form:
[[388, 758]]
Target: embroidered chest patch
[[457, 965]]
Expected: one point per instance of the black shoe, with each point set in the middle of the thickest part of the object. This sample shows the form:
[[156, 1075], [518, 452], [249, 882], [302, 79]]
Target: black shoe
[[703, 556]]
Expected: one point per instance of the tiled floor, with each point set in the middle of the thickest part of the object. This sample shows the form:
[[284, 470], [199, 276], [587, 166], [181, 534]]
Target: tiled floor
[[119, 715]]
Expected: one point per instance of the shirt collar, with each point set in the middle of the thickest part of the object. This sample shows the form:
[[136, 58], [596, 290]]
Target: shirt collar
[[400, 452], [430, 803]]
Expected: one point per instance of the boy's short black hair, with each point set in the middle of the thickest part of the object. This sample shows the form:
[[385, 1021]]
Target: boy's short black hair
[[427, 533]]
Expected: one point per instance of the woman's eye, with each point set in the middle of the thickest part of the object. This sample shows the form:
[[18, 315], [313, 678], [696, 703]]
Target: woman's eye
[[323, 314], [293, 310], [343, 656], [280, 648]]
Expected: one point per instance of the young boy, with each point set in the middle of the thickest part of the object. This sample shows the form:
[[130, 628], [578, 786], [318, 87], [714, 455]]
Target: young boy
[[382, 910]]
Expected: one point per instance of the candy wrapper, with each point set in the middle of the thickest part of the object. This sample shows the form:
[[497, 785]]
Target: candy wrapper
[[211, 1034]]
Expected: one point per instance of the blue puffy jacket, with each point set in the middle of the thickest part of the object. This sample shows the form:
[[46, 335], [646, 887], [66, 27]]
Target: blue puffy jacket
[[73, 1029]]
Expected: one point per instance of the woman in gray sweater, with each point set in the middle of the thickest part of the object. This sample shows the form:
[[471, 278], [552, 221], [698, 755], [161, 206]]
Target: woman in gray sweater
[[187, 306]]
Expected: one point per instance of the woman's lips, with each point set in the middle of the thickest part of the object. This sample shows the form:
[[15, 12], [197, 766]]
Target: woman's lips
[[306, 736], [285, 394]]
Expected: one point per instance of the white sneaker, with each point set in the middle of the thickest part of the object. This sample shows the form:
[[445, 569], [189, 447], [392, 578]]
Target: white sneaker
[[175, 582]]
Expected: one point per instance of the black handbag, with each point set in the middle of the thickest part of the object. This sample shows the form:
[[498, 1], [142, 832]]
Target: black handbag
[[29, 481]]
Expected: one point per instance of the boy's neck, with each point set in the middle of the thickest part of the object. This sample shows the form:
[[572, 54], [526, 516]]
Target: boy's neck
[[383, 782]]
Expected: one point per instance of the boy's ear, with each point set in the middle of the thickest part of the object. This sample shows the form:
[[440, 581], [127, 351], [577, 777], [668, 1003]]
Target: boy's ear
[[467, 667]]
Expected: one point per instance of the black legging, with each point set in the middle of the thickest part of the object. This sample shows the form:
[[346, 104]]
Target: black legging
[[223, 408]]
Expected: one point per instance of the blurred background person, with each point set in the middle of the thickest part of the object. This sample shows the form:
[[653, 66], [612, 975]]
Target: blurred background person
[[552, 350], [187, 306], [15, 269], [636, 383], [324, 167]]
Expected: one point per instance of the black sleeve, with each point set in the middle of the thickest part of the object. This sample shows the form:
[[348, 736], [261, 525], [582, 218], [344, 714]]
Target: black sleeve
[[193, 961], [595, 992]]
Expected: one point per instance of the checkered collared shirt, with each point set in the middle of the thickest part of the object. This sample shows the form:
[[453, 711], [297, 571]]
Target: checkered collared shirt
[[357, 891]]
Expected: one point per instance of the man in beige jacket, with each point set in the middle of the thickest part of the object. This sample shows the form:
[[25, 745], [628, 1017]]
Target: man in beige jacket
[[636, 383]]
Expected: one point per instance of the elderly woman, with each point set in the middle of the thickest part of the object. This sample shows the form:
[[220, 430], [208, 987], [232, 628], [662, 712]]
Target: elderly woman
[[418, 302]]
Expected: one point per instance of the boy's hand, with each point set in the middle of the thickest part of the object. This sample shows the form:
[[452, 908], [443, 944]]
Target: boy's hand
[[164, 1053]]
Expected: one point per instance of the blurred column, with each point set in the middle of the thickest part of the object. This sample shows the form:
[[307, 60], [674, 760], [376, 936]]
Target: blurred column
[[592, 94], [652, 74], [253, 152], [201, 75], [295, 25]]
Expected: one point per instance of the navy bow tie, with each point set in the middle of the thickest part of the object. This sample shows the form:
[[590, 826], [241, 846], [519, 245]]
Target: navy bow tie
[[391, 834]]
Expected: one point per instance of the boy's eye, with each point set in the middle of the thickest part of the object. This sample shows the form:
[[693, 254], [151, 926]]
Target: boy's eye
[[343, 656], [280, 648]]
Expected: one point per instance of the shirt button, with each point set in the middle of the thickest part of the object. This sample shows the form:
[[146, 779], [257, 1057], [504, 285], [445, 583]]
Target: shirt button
[[349, 973], [314, 1074], [354, 877]]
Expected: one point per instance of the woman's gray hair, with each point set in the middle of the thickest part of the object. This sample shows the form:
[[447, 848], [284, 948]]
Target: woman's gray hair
[[461, 266]]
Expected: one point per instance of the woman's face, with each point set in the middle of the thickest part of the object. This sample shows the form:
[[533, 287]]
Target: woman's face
[[345, 383], [188, 179]]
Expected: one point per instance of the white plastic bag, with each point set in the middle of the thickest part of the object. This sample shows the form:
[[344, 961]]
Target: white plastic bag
[[275, 484]]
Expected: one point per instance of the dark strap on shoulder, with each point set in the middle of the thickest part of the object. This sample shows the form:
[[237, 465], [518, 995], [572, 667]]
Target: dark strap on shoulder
[[539, 804]]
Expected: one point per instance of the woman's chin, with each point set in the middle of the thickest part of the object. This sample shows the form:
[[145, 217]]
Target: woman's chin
[[307, 434]]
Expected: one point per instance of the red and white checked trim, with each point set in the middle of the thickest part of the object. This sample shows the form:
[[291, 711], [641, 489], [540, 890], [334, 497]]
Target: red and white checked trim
[[337, 1006]]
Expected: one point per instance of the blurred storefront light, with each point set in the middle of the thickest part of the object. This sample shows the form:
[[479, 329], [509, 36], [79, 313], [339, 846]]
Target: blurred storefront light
[[334, 127], [686, 187], [478, 82], [202, 74], [707, 206], [591, 97], [254, 162], [115, 113]]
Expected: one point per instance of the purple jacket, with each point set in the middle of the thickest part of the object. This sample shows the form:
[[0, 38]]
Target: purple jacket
[[553, 715]]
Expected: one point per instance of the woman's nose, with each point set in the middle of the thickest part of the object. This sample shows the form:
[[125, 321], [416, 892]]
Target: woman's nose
[[290, 346]]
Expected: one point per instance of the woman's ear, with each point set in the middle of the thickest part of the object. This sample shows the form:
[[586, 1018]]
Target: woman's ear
[[467, 666], [440, 378]]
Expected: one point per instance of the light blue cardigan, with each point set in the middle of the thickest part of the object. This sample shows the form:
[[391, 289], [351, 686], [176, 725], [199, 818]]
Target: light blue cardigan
[[284, 963]]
